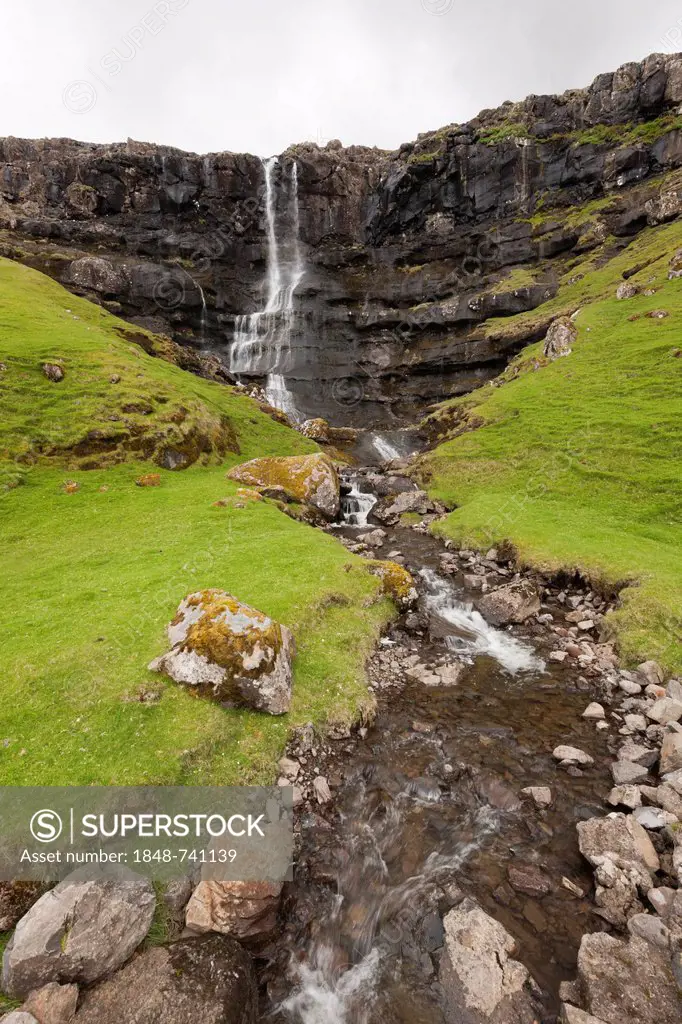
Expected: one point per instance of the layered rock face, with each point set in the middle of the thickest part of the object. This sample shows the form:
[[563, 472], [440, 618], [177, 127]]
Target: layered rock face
[[405, 254]]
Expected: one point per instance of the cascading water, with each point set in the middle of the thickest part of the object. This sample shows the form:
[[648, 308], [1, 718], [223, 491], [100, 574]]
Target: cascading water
[[356, 505], [262, 340], [340, 978], [474, 635]]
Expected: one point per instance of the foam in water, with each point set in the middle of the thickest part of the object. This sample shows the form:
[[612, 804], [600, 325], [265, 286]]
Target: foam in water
[[328, 990], [476, 636], [262, 340], [356, 506], [386, 450]]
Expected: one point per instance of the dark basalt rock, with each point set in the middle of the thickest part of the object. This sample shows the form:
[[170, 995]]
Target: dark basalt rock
[[406, 253]]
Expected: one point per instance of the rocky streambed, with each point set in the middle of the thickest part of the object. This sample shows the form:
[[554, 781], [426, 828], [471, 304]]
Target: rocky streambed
[[439, 875]]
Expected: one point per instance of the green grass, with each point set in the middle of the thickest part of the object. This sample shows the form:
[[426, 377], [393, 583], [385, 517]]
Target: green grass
[[91, 579], [503, 132], [155, 404], [579, 463]]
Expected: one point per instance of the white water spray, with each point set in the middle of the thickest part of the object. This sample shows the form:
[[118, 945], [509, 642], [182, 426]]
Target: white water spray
[[357, 505], [475, 635], [384, 448], [262, 340], [204, 312]]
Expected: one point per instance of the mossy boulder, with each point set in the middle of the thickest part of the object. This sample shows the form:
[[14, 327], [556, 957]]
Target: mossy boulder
[[306, 479], [234, 654], [317, 429], [397, 583]]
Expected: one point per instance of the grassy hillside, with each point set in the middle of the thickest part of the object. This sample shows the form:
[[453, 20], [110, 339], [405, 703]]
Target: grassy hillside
[[91, 578], [578, 463]]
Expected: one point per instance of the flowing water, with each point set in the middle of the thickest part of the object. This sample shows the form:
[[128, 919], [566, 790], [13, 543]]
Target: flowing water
[[262, 340], [427, 805]]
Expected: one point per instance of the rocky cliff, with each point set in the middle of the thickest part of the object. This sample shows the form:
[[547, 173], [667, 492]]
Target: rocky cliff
[[408, 256]]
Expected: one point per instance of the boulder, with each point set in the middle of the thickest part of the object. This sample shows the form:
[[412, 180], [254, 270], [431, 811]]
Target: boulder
[[665, 711], [671, 753], [53, 1003], [481, 980], [572, 755], [625, 796], [618, 837], [390, 509], [541, 795], [54, 372], [78, 932], [528, 879], [617, 891], [316, 430], [98, 275], [19, 1017], [560, 338], [627, 290], [204, 980], [308, 479], [594, 712], [230, 652], [652, 673], [572, 1015], [626, 773], [245, 910], [397, 583], [627, 981], [514, 602], [637, 753]]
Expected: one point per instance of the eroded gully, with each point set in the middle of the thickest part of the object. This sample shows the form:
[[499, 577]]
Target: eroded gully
[[427, 805]]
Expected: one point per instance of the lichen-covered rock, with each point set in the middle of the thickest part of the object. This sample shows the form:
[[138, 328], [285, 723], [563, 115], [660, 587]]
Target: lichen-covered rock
[[98, 275], [230, 652], [149, 480], [481, 981], [54, 372], [514, 602], [245, 910], [397, 583], [78, 932], [204, 980], [309, 479], [390, 509], [626, 290], [675, 265], [316, 430], [560, 338]]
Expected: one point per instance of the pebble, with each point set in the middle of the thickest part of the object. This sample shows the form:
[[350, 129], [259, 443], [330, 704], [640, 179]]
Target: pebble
[[558, 656], [662, 900], [651, 929]]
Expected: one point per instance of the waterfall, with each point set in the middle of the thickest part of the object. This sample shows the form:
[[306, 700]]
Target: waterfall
[[262, 340], [204, 312]]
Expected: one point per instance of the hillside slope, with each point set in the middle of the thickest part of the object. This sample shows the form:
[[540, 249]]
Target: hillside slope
[[578, 462], [92, 575]]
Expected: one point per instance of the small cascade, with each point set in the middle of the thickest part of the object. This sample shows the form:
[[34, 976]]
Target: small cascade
[[384, 448], [262, 340], [474, 635], [356, 505]]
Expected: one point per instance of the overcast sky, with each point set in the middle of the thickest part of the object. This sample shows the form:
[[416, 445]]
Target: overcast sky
[[257, 75]]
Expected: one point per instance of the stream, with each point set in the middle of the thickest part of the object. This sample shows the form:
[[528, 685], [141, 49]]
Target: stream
[[427, 806]]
